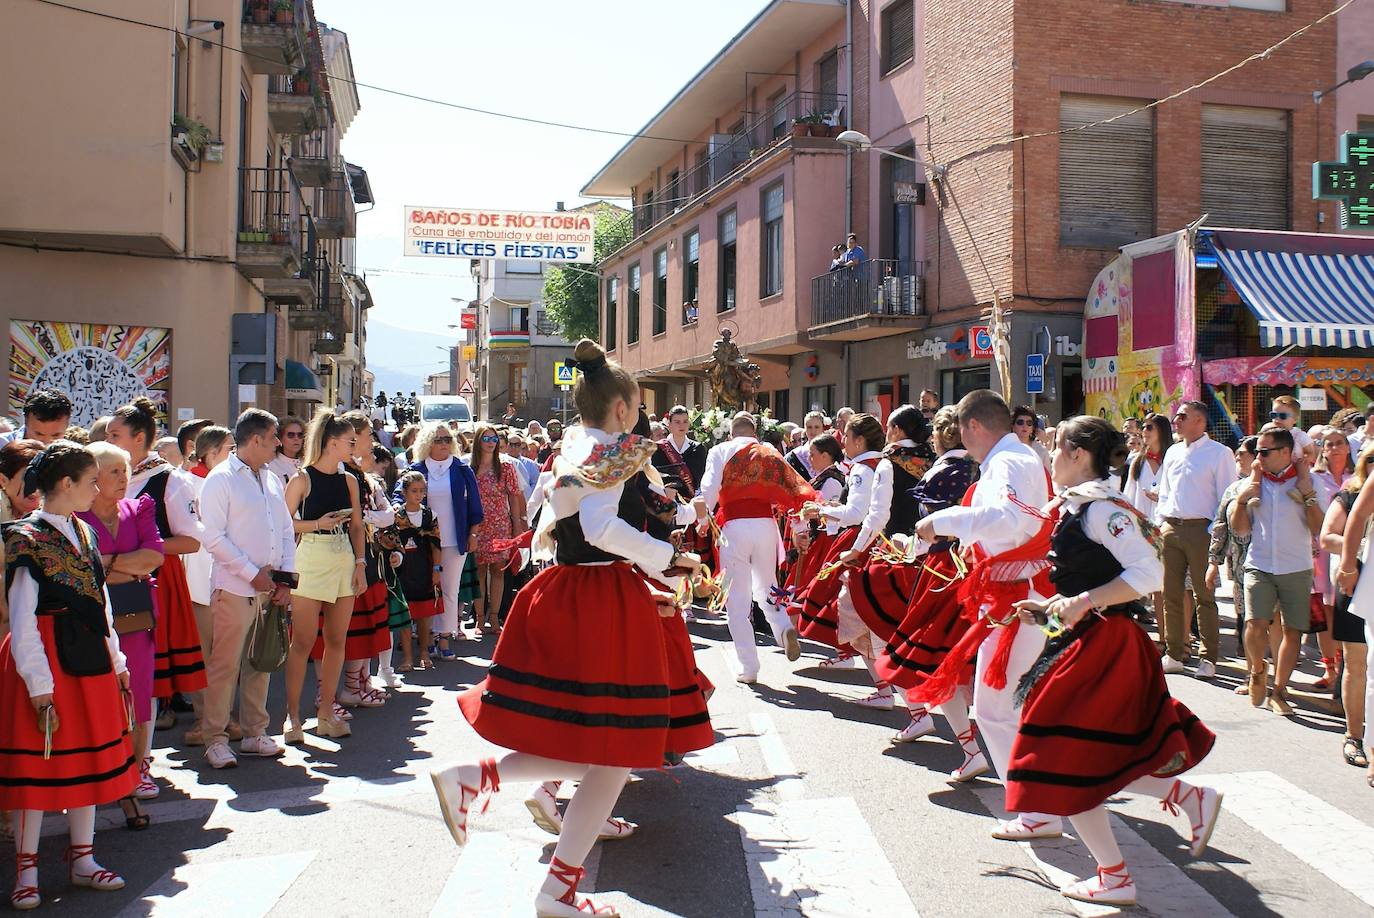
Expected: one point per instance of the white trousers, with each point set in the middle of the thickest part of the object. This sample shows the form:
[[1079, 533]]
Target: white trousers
[[749, 557], [451, 578]]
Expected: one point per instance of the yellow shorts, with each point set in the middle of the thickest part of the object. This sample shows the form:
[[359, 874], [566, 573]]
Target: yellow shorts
[[325, 563]]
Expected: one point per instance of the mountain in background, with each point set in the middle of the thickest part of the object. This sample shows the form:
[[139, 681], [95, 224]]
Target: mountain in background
[[401, 358]]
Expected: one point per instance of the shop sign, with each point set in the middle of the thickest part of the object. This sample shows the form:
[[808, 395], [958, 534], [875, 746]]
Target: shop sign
[[908, 193], [980, 341], [1035, 374], [525, 235], [1064, 346], [467, 321], [469, 352], [1300, 372], [931, 347], [1312, 399], [1349, 180]]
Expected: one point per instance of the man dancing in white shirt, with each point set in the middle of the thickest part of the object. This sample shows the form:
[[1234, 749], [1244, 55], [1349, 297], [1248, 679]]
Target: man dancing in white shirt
[[751, 481], [1011, 540]]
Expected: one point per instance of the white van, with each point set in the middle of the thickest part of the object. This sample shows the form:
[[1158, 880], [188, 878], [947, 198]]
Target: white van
[[452, 409]]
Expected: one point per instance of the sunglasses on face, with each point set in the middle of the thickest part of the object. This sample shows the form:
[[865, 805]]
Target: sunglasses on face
[[490, 439], [443, 439], [1024, 422], [1266, 450], [293, 436], [1279, 415]]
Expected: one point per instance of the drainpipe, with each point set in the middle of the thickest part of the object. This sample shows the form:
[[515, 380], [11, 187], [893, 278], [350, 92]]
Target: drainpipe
[[849, 96]]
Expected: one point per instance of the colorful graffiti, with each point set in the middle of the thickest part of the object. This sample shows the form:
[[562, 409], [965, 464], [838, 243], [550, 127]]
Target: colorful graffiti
[[1139, 348], [100, 366], [1349, 382]]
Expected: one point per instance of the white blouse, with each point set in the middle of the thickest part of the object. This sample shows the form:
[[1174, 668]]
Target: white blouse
[[1134, 492], [26, 644], [869, 501], [440, 501]]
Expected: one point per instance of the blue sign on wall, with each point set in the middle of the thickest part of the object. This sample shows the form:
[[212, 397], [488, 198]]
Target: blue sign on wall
[[1035, 374]]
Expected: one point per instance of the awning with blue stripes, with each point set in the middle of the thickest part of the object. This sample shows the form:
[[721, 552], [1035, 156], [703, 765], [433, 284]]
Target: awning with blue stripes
[[1305, 289]]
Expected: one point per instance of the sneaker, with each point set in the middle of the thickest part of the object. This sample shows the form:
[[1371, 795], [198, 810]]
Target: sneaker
[[1206, 669], [264, 746], [219, 755], [1171, 667], [147, 788], [878, 701], [919, 727], [1111, 886]]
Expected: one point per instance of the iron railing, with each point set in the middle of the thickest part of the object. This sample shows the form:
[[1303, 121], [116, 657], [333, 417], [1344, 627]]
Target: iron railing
[[876, 286], [318, 144], [729, 152], [270, 207]]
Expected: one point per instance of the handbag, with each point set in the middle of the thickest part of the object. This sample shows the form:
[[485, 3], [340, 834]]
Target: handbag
[[132, 604], [1317, 623], [267, 639]]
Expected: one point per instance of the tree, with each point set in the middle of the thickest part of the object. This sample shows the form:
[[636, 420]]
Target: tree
[[572, 292]]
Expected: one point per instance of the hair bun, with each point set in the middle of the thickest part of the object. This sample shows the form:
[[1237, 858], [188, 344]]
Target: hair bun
[[588, 350]]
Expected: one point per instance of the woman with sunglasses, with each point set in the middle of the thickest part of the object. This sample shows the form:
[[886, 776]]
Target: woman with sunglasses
[[1346, 627], [287, 461], [1329, 475], [503, 516], [326, 504], [451, 493], [1023, 423]]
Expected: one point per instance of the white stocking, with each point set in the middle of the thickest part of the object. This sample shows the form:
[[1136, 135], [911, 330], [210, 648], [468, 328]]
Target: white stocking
[[955, 713], [587, 813], [1094, 829], [28, 826], [883, 686], [384, 658], [81, 827], [522, 766]]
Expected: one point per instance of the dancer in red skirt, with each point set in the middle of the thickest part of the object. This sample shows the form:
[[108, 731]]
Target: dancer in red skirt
[[825, 454], [580, 686], [65, 732], [178, 663], [932, 624], [1003, 529], [1096, 715]]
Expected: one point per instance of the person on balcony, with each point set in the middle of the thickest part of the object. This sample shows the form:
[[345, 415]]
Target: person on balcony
[[854, 253]]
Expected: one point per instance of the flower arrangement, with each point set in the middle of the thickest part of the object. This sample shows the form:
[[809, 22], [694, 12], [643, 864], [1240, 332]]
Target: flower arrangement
[[712, 425]]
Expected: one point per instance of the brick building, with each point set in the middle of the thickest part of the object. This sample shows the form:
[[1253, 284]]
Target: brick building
[[948, 83]]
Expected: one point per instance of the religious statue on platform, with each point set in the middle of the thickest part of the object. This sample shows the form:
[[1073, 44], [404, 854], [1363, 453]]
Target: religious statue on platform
[[734, 380]]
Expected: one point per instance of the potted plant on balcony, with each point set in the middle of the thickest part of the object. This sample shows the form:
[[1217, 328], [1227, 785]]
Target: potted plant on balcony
[[283, 12], [812, 124], [189, 136], [300, 84]]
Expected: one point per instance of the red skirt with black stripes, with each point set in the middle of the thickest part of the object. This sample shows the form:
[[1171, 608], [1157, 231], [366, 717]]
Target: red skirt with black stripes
[[178, 663], [92, 759], [581, 672], [1100, 717], [930, 628], [815, 601], [369, 629], [881, 591], [689, 723]]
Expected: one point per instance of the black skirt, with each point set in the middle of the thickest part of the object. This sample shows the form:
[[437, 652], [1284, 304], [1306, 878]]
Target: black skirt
[[1346, 626]]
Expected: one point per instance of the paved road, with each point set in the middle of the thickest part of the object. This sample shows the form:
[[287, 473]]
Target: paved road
[[802, 808]]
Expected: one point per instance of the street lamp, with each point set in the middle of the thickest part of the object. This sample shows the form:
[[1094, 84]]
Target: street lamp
[[1353, 75], [859, 141]]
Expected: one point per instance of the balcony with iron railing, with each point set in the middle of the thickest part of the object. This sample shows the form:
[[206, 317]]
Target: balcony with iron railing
[[273, 229], [295, 102], [271, 36], [335, 217], [315, 158], [804, 114], [871, 299]]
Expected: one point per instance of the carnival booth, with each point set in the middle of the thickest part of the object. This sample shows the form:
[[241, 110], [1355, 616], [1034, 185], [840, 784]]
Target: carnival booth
[[1234, 318]]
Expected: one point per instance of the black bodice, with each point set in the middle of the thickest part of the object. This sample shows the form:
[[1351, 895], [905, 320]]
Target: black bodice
[[1080, 563], [572, 546], [905, 511]]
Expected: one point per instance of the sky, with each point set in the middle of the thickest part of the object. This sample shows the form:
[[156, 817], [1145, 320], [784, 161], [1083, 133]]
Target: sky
[[603, 63]]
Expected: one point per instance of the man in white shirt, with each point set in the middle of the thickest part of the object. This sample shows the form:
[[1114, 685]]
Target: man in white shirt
[[1192, 482], [1012, 484], [1278, 508], [47, 414], [750, 543], [248, 532]]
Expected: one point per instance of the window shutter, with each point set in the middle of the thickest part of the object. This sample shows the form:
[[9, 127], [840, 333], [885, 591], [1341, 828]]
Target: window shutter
[[899, 21], [1106, 173], [772, 204], [1245, 174], [727, 227]]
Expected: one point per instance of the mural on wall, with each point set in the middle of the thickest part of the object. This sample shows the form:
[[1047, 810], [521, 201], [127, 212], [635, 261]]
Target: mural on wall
[[1139, 348], [100, 366]]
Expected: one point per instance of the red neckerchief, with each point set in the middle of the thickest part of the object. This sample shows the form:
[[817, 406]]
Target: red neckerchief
[[1287, 474], [200, 470], [1154, 457]]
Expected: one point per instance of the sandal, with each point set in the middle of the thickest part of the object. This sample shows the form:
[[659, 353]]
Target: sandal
[[1353, 752], [406, 668], [134, 818]]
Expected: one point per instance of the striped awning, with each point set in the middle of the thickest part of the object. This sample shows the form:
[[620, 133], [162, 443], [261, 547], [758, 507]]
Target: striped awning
[[1306, 290]]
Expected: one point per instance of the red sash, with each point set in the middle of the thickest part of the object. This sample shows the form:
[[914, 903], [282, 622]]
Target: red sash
[[987, 603], [679, 464]]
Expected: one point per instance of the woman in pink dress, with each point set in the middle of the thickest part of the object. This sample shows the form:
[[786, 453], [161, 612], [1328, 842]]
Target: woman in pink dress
[[503, 517]]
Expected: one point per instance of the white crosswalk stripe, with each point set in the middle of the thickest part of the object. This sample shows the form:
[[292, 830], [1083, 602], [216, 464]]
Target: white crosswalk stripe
[[221, 887], [1333, 843], [1162, 888]]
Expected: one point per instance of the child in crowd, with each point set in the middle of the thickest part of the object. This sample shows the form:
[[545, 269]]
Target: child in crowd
[[417, 532]]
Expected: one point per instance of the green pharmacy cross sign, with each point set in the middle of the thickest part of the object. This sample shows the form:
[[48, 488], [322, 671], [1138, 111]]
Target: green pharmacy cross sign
[[1350, 181]]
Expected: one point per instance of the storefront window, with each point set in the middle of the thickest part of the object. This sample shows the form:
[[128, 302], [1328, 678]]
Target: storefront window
[[879, 396], [955, 384], [819, 398]]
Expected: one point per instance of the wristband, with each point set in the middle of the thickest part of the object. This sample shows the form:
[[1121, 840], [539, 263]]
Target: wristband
[[361, 561]]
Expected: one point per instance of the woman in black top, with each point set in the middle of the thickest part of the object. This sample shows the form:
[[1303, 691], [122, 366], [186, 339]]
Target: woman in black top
[[326, 502]]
